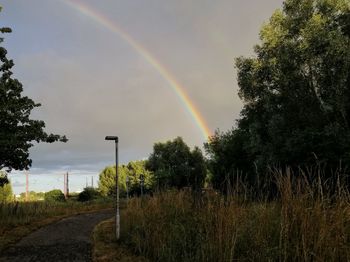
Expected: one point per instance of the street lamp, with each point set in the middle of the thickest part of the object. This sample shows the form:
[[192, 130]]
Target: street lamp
[[117, 216]]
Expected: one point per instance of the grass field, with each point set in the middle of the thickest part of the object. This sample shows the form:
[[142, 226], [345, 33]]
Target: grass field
[[303, 224]]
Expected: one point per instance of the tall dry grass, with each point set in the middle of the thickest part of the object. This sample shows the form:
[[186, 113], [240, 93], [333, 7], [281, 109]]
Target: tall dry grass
[[309, 221]]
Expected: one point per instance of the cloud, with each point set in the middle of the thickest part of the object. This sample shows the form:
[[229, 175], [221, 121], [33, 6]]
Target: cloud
[[17, 183], [91, 83]]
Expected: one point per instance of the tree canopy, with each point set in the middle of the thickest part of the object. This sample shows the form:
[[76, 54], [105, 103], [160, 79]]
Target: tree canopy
[[295, 90], [17, 130], [132, 172], [175, 165]]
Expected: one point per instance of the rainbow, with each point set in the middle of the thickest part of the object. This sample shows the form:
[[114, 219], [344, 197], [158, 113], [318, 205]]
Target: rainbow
[[174, 84]]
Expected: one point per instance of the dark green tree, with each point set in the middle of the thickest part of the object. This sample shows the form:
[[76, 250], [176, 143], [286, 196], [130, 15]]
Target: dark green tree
[[174, 165], [17, 130], [295, 90], [55, 195], [88, 194], [198, 169], [228, 155]]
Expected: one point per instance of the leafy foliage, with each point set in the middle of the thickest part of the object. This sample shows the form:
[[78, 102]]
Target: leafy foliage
[[131, 171], [175, 165], [296, 93], [18, 130], [55, 195], [6, 193], [134, 171], [88, 194]]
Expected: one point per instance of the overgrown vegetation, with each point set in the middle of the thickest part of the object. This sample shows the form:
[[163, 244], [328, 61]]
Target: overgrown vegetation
[[307, 222]]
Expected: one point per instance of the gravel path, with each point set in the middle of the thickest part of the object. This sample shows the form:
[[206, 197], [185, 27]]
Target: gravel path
[[66, 240]]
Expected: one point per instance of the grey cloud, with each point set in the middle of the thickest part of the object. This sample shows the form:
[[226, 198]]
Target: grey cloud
[[91, 83]]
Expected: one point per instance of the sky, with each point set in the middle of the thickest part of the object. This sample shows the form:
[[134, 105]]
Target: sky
[[145, 71]]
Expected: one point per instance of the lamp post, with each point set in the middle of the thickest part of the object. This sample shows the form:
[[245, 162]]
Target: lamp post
[[117, 216]]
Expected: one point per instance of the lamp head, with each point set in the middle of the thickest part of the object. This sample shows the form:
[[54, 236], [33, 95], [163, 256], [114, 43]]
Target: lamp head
[[114, 138]]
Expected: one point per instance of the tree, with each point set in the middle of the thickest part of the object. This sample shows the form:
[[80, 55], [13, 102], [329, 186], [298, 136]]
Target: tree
[[228, 156], [175, 165], [54, 195], [198, 169], [106, 181], [88, 194], [295, 90], [132, 171], [17, 129]]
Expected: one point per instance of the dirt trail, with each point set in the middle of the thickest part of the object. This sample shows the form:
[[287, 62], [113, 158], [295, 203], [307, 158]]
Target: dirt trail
[[66, 240]]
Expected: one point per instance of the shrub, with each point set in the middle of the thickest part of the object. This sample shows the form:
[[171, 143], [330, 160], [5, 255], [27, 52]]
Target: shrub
[[55, 195], [88, 194], [6, 193]]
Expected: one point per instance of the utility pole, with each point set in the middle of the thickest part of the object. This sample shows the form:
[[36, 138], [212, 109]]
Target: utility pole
[[86, 184], [67, 185], [92, 181], [117, 217], [64, 185]]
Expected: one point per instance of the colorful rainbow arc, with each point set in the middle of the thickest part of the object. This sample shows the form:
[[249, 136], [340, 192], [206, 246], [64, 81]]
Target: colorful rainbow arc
[[107, 23]]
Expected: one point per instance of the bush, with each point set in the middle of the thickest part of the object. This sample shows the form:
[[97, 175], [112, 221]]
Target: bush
[[6, 193], [55, 195], [88, 194]]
